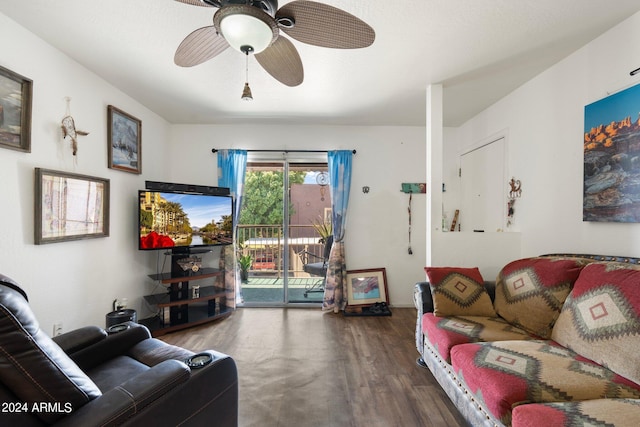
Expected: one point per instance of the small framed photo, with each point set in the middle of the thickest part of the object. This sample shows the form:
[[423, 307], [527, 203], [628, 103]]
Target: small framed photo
[[70, 207], [367, 287], [15, 111], [124, 139]]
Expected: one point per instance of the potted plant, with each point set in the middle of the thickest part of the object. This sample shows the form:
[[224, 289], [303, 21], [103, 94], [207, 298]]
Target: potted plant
[[244, 262], [323, 228]]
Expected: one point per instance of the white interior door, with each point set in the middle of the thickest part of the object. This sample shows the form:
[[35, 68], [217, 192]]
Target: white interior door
[[483, 183]]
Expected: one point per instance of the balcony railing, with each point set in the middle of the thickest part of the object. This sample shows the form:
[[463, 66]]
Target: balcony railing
[[266, 245]]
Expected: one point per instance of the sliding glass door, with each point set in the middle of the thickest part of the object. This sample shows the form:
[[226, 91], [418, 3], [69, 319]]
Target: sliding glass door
[[285, 218]]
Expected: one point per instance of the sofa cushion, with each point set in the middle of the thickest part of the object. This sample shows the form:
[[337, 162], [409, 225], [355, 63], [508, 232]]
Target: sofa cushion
[[116, 371], [599, 412], [530, 292], [601, 318], [458, 291], [444, 333], [508, 373]]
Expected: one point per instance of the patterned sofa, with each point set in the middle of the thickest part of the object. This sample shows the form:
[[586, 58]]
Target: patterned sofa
[[554, 341]]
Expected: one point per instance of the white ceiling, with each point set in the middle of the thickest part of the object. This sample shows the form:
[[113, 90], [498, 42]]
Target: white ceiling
[[480, 50]]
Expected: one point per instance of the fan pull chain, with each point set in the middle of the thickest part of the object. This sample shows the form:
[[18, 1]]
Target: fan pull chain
[[246, 67]]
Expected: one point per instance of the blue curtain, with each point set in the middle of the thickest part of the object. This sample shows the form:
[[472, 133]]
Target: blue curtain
[[339, 163], [232, 165]]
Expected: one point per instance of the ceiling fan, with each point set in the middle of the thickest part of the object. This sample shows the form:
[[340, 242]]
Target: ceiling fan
[[253, 26]]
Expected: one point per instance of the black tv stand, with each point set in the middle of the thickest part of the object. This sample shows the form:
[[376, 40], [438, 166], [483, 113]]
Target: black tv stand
[[180, 307]]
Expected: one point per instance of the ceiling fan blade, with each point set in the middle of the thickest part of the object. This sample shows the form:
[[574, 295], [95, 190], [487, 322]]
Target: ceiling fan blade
[[326, 26], [200, 46], [196, 3], [282, 61]]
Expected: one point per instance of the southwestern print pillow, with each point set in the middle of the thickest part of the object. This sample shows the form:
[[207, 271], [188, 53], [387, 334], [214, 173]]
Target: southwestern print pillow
[[530, 292], [458, 292], [601, 318]]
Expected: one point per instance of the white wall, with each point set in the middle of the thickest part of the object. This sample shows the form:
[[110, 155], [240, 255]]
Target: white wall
[[72, 282], [377, 225], [488, 251], [76, 282], [545, 120]]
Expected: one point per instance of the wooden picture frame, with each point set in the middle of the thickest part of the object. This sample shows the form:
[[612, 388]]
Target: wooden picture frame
[[124, 139], [367, 287], [70, 206], [15, 111]]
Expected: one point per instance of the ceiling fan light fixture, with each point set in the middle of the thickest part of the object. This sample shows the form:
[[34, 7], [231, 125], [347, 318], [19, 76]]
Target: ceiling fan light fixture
[[243, 25]]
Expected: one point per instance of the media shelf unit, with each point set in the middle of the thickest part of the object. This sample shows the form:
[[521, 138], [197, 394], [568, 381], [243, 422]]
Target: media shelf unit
[[179, 308]]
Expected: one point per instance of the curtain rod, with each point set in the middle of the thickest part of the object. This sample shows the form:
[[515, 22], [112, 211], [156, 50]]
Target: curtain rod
[[215, 150]]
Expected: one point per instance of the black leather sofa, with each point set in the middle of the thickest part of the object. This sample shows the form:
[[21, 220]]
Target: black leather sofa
[[93, 377]]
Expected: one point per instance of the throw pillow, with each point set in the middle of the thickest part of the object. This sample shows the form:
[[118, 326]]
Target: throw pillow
[[458, 291], [601, 318], [530, 292]]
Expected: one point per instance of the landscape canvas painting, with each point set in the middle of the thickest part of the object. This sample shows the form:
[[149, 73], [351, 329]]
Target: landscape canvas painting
[[612, 158]]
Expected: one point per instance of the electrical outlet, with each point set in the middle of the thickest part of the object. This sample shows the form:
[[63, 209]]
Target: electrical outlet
[[57, 329]]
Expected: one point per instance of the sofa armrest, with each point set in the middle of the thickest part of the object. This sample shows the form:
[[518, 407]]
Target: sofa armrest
[[122, 402], [206, 396], [113, 345], [422, 298], [424, 304], [76, 340]]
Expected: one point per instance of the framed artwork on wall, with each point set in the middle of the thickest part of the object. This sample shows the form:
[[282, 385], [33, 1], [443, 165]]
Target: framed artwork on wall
[[611, 186], [124, 139], [15, 111], [70, 207], [367, 287]]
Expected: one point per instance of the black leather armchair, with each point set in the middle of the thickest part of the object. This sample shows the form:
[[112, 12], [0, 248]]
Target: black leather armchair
[[90, 377]]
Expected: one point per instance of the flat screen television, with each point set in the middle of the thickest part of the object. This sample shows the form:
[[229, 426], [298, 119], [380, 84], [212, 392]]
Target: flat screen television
[[183, 221]]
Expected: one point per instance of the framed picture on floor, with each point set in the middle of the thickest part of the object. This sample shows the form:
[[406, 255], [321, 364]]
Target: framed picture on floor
[[70, 207], [124, 136], [15, 111], [367, 287]]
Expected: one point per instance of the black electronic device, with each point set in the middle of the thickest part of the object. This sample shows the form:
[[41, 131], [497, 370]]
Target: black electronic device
[[186, 188]]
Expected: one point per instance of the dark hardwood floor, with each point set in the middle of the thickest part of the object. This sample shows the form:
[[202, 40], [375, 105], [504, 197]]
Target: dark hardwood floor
[[302, 367]]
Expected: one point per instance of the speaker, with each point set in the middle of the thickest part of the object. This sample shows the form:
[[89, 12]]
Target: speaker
[[121, 316], [186, 188]]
